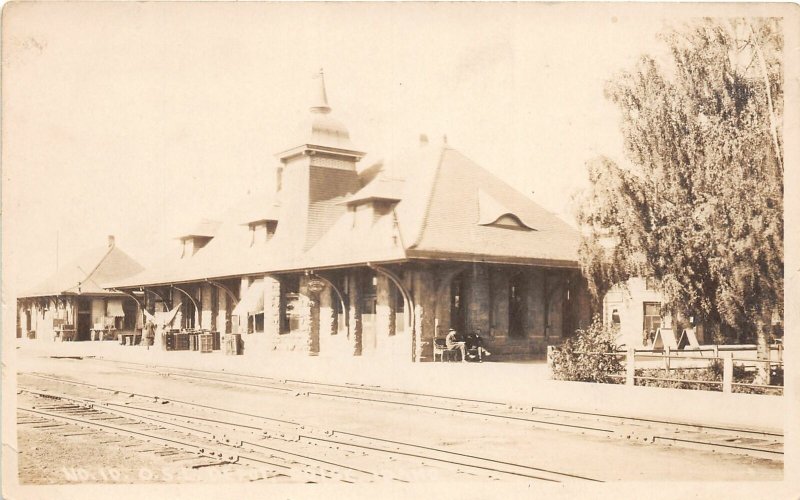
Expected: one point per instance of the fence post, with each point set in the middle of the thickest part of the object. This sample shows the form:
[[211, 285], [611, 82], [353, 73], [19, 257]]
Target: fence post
[[630, 369], [768, 371], [727, 373], [666, 357], [550, 349], [716, 351]]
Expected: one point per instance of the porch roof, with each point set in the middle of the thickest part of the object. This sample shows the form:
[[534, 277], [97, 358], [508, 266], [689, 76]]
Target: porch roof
[[88, 274], [438, 216]]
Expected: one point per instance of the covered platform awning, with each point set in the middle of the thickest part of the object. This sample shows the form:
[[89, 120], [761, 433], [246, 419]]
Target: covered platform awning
[[114, 308], [162, 318], [252, 301]]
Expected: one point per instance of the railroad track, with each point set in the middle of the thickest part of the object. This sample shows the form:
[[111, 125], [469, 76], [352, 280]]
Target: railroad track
[[755, 443], [281, 446]]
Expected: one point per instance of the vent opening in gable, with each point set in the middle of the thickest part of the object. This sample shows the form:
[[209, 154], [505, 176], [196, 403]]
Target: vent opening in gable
[[510, 221], [494, 213]]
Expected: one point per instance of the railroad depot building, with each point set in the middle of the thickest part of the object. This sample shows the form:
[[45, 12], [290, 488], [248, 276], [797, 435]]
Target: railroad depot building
[[72, 303], [376, 261]]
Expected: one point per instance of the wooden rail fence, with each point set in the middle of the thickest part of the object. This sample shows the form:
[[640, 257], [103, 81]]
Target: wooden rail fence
[[724, 354]]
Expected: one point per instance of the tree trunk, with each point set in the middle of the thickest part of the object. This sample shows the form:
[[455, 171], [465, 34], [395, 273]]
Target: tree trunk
[[763, 322]]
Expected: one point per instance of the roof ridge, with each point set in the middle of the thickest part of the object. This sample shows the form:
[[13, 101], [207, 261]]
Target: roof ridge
[[500, 180], [96, 267], [429, 200]]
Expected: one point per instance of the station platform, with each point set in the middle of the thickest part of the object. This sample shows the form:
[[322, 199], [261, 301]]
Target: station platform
[[522, 384]]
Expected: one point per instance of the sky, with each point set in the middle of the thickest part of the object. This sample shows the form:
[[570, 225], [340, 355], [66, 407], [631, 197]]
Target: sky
[[138, 119]]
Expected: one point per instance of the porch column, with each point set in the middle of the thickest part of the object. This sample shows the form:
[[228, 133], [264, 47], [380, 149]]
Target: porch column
[[478, 300], [177, 300], [311, 287], [222, 317], [328, 323], [206, 312], [385, 314], [354, 312], [272, 307], [424, 293]]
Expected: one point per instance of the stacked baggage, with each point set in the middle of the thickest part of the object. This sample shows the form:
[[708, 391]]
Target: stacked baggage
[[182, 341], [233, 343], [205, 342], [169, 341]]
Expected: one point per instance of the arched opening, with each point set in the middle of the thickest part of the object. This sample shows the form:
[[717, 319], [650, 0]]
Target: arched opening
[[400, 320], [458, 306], [394, 314], [516, 305], [368, 284], [188, 312]]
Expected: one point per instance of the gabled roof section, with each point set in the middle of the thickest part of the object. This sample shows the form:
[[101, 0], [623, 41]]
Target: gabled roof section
[[444, 202], [451, 225], [88, 274]]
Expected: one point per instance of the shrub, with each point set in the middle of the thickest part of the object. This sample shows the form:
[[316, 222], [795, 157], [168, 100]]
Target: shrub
[[583, 357], [685, 378]]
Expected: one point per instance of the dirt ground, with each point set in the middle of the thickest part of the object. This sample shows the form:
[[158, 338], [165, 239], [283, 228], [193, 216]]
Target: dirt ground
[[73, 455], [44, 457]]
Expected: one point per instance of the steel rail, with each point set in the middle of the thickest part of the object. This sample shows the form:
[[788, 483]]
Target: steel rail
[[581, 414], [155, 437], [760, 451], [694, 427], [375, 448], [467, 455], [197, 377], [424, 457], [182, 444], [156, 398], [231, 424], [468, 412], [307, 382], [116, 429], [431, 407], [646, 421]]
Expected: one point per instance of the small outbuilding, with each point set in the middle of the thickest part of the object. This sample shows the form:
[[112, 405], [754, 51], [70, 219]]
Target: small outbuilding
[[72, 303]]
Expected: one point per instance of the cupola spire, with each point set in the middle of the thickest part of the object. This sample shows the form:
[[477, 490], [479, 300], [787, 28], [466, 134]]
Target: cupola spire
[[320, 96]]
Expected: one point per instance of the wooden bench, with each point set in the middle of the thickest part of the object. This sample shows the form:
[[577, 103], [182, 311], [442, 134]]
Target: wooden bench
[[65, 332], [440, 349]]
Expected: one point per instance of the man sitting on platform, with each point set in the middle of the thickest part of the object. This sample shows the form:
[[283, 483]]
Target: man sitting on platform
[[475, 346], [452, 341]]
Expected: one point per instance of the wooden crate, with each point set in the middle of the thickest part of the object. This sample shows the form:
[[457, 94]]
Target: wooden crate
[[205, 342], [233, 344], [181, 341]]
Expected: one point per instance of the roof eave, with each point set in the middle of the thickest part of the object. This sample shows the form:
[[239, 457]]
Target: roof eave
[[491, 259], [299, 150]]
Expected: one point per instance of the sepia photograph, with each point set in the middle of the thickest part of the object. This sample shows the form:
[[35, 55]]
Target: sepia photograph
[[412, 249]]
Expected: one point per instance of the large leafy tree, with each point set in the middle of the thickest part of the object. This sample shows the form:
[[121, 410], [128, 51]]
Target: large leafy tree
[[698, 203]]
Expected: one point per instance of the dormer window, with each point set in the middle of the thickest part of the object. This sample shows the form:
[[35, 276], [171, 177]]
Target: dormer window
[[493, 213], [191, 244], [198, 237], [374, 201], [262, 231]]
